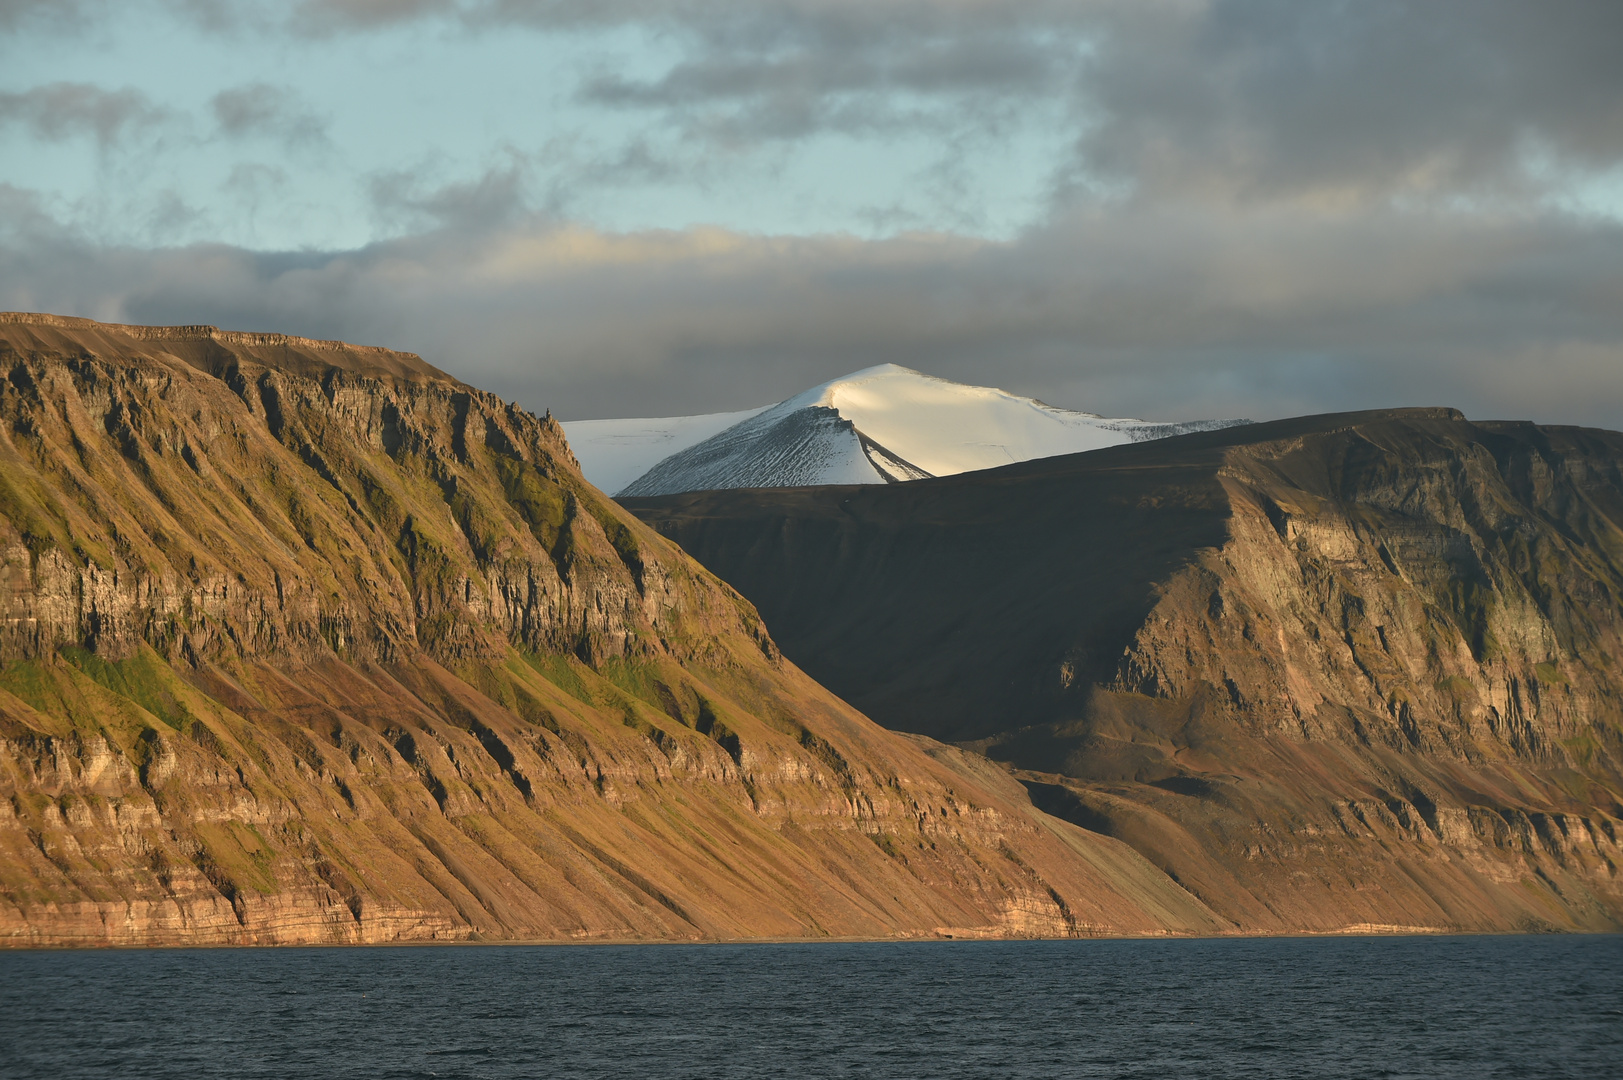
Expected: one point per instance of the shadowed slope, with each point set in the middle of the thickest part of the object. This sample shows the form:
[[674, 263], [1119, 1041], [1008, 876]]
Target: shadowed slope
[[1340, 669]]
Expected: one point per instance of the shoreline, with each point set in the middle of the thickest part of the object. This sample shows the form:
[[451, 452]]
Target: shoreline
[[1353, 932]]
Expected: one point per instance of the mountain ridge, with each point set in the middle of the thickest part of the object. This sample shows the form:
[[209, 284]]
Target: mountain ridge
[[296, 354], [1358, 667], [883, 424], [296, 650]]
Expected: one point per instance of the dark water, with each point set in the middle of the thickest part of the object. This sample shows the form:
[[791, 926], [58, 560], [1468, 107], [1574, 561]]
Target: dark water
[[1523, 1007]]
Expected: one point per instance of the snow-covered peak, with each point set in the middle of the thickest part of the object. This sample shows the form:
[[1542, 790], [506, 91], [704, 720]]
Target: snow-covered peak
[[943, 427], [847, 386], [879, 425]]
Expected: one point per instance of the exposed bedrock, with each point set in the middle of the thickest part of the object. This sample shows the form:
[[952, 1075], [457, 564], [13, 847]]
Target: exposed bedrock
[[307, 642], [1358, 669]]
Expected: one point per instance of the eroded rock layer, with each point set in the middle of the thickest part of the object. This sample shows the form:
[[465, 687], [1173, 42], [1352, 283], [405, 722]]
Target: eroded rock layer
[[305, 642], [1343, 670]]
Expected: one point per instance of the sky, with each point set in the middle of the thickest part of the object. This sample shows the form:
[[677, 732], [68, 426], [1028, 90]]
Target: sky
[[1171, 209]]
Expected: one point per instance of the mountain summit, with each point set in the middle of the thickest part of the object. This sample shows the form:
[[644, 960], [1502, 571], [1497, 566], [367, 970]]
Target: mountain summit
[[876, 426]]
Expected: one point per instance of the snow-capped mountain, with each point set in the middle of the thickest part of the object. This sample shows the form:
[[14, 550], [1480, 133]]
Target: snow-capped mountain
[[880, 425]]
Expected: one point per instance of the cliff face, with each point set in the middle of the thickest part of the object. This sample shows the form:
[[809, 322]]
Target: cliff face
[[227, 497], [1456, 593], [1340, 670], [302, 641]]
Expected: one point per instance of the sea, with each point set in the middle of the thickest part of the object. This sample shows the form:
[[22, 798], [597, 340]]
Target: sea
[[1516, 1007]]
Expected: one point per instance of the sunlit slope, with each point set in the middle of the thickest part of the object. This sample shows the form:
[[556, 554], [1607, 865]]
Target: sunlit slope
[[303, 642]]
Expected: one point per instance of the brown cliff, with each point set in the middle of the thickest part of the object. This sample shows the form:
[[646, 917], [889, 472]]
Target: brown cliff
[[302, 641], [1359, 669]]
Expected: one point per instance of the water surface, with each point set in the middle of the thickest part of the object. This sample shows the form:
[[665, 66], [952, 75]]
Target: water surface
[[1266, 1008]]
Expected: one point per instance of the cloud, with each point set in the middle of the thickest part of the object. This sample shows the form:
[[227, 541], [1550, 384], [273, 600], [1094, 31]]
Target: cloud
[[1270, 98], [1379, 100], [67, 110], [1243, 98], [265, 111], [749, 77], [407, 201], [1265, 208], [1166, 314], [319, 17], [57, 14]]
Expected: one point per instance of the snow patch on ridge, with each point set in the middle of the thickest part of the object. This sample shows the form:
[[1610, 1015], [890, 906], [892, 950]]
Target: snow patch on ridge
[[784, 446], [880, 425]]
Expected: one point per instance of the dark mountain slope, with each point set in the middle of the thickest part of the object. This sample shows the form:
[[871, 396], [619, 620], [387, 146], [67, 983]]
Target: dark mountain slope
[[301, 641], [1356, 668]]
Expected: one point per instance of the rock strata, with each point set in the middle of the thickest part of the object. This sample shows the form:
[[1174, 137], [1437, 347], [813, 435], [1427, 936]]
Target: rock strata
[[1342, 671], [308, 642]]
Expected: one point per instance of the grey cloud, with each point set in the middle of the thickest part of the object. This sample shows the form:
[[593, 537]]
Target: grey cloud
[[405, 200], [167, 212], [1320, 206], [53, 14], [17, 10], [636, 161], [1238, 98], [1241, 98], [782, 70], [67, 110], [1263, 98], [739, 22], [1171, 314], [785, 71], [1227, 99], [262, 110], [307, 18], [335, 16], [543, 184], [751, 56], [883, 84]]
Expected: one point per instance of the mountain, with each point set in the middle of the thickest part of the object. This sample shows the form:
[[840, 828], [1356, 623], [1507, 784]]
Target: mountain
[[310, 642], [1339, 670], [875, 426]]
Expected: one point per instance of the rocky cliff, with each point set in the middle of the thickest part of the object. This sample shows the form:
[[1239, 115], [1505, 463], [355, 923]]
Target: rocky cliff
[[1359, 669], [302, 641]]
